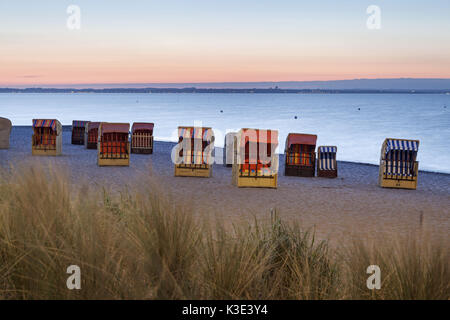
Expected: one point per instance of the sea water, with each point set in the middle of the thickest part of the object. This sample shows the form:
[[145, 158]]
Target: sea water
[[356, 123]]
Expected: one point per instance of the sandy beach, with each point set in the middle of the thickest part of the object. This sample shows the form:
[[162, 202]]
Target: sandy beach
[[350, 204]]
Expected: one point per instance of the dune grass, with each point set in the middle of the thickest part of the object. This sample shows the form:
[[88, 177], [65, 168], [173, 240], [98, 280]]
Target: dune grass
[[140, 245]]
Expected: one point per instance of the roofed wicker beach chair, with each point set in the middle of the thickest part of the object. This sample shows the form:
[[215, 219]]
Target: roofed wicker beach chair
[[255, 162], [5, 132], [300, 155], [91, 135], [326, 162], [194, 152], [47, 137], [142, 137], [78, 131], [113, 144], [398, 165], [228, 149]]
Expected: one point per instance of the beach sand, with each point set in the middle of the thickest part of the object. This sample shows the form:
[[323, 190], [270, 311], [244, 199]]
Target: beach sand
[[352, 204]]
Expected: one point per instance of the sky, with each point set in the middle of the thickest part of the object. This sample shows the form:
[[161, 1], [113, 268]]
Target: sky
[[173, 41]]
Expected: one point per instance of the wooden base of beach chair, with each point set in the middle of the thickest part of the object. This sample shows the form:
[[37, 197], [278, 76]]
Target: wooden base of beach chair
[[257, 182], [113, 162], [91, 145], [299, 171], [399, 184], [193, 172], [141, 151], [39, 152], [327, 173]]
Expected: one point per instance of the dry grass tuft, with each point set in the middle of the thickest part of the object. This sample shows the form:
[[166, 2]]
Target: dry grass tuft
[[139, 245]]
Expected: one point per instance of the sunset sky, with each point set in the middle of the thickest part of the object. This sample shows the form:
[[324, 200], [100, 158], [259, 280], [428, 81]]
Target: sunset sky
[[221, 41]]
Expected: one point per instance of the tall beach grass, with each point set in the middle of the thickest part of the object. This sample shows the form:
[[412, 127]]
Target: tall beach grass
[[139, 244]]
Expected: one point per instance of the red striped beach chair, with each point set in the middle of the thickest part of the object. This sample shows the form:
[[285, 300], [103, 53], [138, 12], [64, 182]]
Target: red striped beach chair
[[113, 144], [300, 155], [142, 138], [255, 163], [398, 165], [47, 137]]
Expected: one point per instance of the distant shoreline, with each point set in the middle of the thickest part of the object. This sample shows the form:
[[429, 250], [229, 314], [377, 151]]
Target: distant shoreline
[[212, 90]]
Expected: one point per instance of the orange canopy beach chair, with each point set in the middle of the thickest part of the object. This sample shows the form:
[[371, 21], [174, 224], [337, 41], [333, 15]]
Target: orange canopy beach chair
[[47, 137], [326, 162], [255, 162], [142, 138], [91, 135], [78, 131], [300, 155], [113, 144], [398, 165], [194, 152]]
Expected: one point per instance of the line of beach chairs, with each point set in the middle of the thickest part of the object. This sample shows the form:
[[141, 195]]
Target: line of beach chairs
[[250, 152]]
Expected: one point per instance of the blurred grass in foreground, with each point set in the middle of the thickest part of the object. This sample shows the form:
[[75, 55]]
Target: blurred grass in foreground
[[139, 245]]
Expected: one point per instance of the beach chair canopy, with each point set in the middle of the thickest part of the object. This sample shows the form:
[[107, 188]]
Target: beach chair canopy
[[259, 136], [205, 134], [115, 127], [229, 136], [142, 126], [402, 145], [79, 123], [46, 123], [327, 157], [327, 149], [301, 138], [93, 125]]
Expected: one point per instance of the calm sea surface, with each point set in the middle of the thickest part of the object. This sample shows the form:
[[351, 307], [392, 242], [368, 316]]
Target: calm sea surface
[[356, 123]]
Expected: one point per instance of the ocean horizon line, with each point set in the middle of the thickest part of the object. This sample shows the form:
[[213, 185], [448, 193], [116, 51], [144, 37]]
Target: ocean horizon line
[[194, 90]]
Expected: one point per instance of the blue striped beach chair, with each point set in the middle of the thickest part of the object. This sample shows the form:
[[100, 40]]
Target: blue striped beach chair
[[398, 165], [327, 164], [255, 162]]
